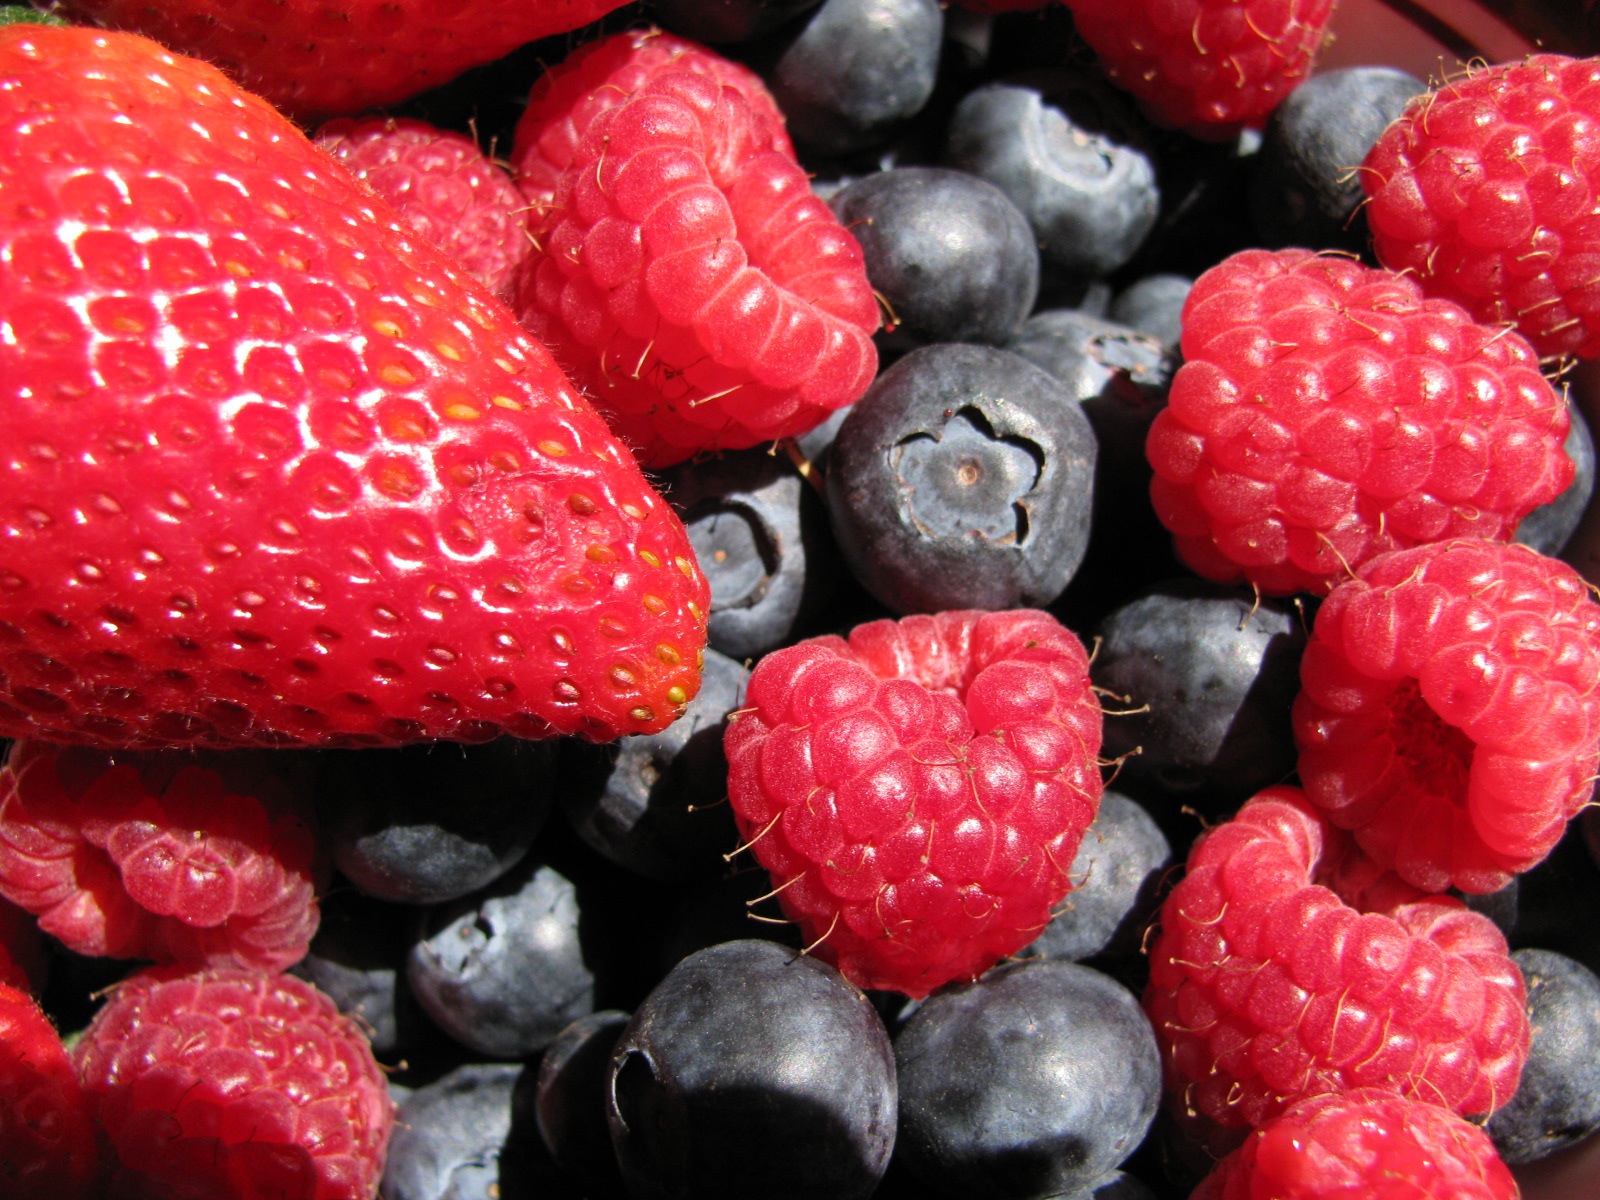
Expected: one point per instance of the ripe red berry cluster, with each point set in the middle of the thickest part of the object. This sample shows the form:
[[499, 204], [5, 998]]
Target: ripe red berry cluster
[[283, 472]]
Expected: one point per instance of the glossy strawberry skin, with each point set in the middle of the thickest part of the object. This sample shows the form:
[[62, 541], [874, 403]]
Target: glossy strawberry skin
[[274, 472], [341, 57]]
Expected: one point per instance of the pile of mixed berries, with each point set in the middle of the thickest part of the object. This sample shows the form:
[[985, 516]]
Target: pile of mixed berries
[[791, 599]]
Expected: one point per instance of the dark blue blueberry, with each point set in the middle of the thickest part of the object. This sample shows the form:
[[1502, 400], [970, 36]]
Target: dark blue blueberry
[[1209, 674], [1153, 304], [358, 959], [1548, 527], [1035, 1081], [856, 71], [503, 971], [1071, 154], [952, 257], [1116, 877], [755, 536], [721, 22], [467, 1136], [1120, 379], [1558, 1101], [753, 1071], [653, 803], [434, 821], [1305, 188], [570, 1103], [962, 479]]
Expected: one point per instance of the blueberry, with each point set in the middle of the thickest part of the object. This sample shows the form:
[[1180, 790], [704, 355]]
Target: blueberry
[[1558, 1101], [857, 71], [570, 1102], [1153, 304], [434, 821], [1120, 379], [502, 971], [753, 1071], [465, 1137], [1306, 186], [755, 538], [358, 960], [953, 258], [1116, 876], [1548, 527], [1035, 1081], [1210, 673], [962, 479], [652, 803], [1071, 154]]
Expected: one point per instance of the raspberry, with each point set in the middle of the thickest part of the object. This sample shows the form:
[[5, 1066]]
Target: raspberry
[[444, 187], [236, 1084], [1208, 67], [691, 282], [195, 857], [566, 99], [918, 792], [1486, 190], [1363, 1145], [23, 957], [1267, 987], [1328, 411], [1449, 712], [47, 1148]]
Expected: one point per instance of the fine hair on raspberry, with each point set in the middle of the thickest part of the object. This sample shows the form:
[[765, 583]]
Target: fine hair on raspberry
[[917, 792], [1327, 411], [1449, 711], [1287, 965]]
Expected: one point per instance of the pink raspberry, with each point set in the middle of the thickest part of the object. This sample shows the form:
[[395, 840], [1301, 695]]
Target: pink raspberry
[[446, 189], [1449, 711], [1364, 1144], [191, 857], [47, 1145], [1327, 412], [1486, 190], [566, 99], [1268, 987], [1208, 67], [918, 792], [690, 281], [235, 1084]]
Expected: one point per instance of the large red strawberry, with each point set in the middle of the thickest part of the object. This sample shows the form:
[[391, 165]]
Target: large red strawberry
[[275, 473], [322, 57]]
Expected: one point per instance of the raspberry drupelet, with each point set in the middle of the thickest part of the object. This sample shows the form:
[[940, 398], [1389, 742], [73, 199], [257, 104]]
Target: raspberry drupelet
[[237, 1084], [686, 277], [1363, 1145], [1209, 67], [918, 791], [1449, 711], [1327, 411], [188, 857], [1288, 965], [1486, 190]]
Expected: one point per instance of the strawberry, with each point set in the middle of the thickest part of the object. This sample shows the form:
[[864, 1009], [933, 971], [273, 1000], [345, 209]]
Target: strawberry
[[318, 58], [276, 473]]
